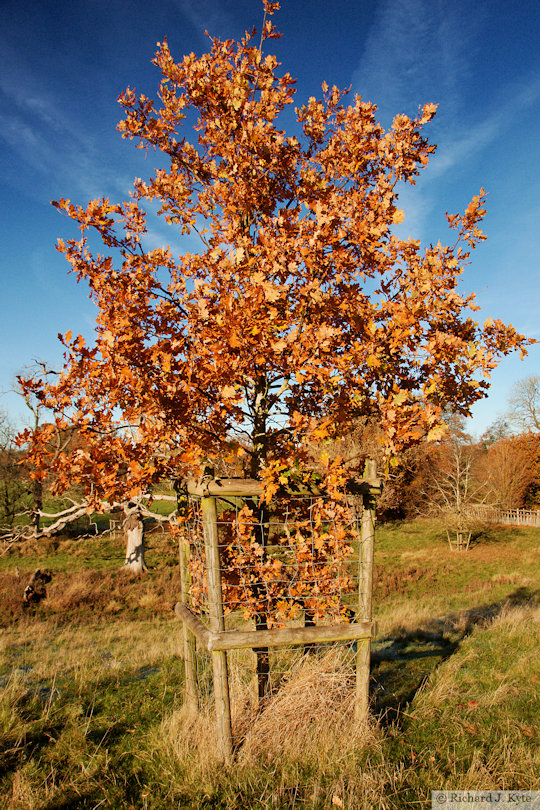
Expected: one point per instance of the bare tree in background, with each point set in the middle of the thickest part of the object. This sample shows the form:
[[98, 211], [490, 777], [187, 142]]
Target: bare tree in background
[[454, 486], [58, 440], [525, 404], [13, 483], [498, 430]]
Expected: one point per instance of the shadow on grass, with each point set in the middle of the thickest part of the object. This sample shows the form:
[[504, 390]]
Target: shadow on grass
[[72, 799], [17, 749], [403, 662]]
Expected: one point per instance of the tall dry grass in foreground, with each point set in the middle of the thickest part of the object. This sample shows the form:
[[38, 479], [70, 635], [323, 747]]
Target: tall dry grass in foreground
[[304, 748], [91, 700], [94, 717]]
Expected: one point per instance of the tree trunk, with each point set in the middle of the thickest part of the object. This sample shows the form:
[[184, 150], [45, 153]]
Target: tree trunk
[[37, 495], [309, 621], [134, 534], [258, 458]]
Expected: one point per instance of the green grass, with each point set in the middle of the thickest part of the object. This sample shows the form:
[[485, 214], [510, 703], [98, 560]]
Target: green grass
[[474, 724], [69, 736], [91, 698], [414, 565], [102, 553]]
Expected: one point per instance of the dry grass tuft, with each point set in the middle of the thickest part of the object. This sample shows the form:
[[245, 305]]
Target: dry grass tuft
[[304, 748], [514, 616], [192, 739], [511, 578], [312, 715]]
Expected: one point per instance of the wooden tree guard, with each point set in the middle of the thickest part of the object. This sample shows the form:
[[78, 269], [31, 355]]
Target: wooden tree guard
[[365, 592], [217, 641], [189, 637], [217, 625]]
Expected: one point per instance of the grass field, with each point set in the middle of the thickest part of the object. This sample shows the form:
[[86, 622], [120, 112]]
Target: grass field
[[92, 715]]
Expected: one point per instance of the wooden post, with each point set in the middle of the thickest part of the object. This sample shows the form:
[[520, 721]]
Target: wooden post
[[262, 654], [217, 624], [189, 639], [365, 593]]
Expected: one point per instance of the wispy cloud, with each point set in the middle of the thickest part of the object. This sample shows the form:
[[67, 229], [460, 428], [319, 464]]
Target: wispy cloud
[[513, 100], [415, 53], [65, 161], [419, 51], [51, 144], [459, 147], [207, 15]]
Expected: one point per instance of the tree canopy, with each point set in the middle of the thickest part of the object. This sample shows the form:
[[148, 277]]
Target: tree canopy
[[301, 312]]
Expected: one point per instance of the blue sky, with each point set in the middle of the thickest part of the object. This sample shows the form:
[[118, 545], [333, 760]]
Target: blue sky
[[63, 64]]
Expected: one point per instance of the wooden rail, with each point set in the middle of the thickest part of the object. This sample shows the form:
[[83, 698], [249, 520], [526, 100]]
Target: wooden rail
[[250, 488], [278, 637]]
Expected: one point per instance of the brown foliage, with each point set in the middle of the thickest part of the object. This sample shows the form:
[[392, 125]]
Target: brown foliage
[[302, 312], [509, 469]]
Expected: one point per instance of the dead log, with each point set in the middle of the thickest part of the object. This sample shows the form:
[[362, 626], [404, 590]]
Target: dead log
[[35, 591]]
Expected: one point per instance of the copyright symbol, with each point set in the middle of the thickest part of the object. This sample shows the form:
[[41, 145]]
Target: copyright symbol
[[440, 798]]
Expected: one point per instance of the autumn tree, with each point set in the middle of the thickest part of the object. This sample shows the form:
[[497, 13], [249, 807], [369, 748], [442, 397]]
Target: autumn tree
[[529, 444], [302, 312], [508, 470]]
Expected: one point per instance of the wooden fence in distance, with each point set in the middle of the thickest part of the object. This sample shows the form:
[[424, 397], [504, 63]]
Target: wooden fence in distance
[[508, 517]]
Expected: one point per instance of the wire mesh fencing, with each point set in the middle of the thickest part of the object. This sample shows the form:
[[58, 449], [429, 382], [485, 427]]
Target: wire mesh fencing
[[282, 589], [296, 562]]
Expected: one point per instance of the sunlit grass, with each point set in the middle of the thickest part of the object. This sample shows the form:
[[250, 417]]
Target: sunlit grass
[[91, 700]]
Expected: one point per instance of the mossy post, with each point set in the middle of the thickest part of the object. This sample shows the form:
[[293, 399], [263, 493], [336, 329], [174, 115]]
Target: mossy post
[[217, 624], [365, 592]]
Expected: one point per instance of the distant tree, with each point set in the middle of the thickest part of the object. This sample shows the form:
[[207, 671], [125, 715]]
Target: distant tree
[[59, 439], [499, 429], [529, 444], [525, 404], [405, 488], [13, 481], [453, 486], [507, 470]]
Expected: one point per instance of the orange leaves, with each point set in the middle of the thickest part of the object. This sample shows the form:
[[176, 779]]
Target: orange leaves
[[307, 568], [270, 7], [467, 224], [300, 310], [234, 340], [428, 113], [271, 291], [436, 433], [108, 338]]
